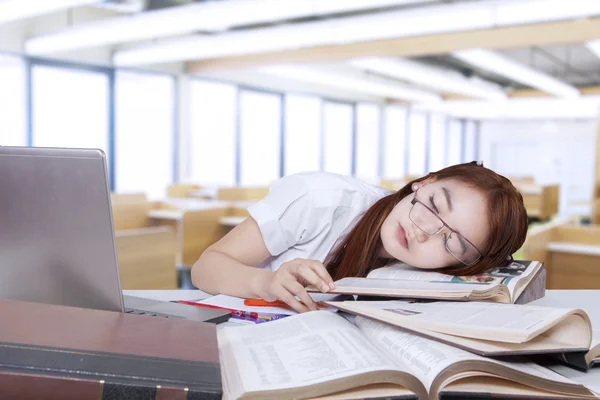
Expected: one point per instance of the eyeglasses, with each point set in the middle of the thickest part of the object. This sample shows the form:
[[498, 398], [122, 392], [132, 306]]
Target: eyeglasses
[[429, 222]]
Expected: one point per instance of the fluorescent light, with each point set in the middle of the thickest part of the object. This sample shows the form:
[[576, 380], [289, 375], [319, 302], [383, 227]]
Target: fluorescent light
[[208, 16], [350, 83], [515, 12], [503, 66], [594, 47], [383, 25], [441, 80], [585, 107], [13, 10]]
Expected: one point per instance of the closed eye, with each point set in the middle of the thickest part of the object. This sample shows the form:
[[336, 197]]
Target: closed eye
[[463, 244], [433, 206]]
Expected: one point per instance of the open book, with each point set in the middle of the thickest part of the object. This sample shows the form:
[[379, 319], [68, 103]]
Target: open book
[[586, 359], [503, 285], [488, 329], [322, 355]]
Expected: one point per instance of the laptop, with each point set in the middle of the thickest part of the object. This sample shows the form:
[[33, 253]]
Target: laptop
[[57, 242]]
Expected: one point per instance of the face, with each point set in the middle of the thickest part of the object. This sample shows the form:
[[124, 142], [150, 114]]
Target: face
[[462, 207]]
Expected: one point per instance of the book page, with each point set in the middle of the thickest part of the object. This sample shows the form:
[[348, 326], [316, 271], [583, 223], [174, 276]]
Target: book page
[[595, 339], [426, 359], [482, 320], [423, 357], [508, 275], [407, 273], [292, 352], [408, 286], [590, 379]]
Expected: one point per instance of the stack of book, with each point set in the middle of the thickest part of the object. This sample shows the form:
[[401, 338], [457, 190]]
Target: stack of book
[[418, 345]]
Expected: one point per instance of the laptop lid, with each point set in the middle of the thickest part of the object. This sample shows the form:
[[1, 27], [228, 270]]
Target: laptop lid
[[57, 241]]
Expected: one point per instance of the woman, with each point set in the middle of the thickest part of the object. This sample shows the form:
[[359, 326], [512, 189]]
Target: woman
[[314, 228]]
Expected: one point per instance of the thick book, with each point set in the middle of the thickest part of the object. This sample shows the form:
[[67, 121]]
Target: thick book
[[516, 282], [323, 355], [584, 360], [485, 328], [58, 352]]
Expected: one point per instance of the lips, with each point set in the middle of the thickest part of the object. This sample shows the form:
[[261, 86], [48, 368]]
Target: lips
[[402, 237]]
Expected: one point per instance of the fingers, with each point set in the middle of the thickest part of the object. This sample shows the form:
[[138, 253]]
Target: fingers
[[323, 280], [290, 299], [306, 273], [318, 268], [296, 289]]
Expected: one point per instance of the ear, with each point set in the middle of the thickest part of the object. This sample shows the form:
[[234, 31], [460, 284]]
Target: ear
[[418, 185]]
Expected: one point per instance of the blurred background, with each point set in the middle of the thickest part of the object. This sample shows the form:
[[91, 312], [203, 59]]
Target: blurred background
[[201, 105]]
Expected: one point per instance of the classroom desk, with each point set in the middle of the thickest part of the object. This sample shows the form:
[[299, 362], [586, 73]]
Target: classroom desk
[[231, 221], [588, 300]]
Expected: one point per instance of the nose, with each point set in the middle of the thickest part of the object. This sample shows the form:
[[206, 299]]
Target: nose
[[419, 235]]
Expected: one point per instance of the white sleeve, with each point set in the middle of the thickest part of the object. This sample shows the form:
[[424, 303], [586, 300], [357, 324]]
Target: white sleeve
[[286, 216]]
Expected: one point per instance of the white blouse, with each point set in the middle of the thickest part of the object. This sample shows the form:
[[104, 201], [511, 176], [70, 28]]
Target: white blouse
[[305, 214]]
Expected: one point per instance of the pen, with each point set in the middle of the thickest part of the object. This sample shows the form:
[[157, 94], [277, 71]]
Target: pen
[[276, 303], [238, 313], [191, 303], [250, 319]]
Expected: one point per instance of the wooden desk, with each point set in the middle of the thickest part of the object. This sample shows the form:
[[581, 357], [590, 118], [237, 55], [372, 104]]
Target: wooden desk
[[573, 265], [541, 201], [571, 255], [146, 254], [171, 215], [232, 221], [204, 193], [147, 258], [242, 193], [196, 227]]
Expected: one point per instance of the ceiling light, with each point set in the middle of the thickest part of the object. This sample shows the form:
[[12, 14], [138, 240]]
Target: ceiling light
[[585, 107], [441, 80], [13, 10], [205, 16], [504, 66], [383, 25], [363, 85]]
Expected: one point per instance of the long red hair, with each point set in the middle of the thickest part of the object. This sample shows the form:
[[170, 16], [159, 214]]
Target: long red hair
[[358, 252]]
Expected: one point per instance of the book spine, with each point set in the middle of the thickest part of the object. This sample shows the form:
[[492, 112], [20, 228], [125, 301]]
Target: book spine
[[34, 386]]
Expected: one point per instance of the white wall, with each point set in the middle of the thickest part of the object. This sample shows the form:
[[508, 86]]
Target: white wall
[[560, 152]]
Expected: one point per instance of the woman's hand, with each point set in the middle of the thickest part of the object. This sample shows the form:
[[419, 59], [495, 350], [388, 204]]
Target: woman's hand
[[290, 281]]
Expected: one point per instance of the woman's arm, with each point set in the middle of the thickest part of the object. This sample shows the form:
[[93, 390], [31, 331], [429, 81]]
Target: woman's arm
[[228, 267]]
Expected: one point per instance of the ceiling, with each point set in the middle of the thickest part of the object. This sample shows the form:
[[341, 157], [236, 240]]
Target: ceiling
[[574, 64], [215, 34]]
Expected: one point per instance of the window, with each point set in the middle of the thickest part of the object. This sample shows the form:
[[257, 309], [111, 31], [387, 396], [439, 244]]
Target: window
[[337, 130], [260, 138], [394, 152], [368, 128], [70, 108], [302, 134], [454, 140], [437, 143], [12, 101], [211, 151], [144, 133], [417, 144], [470, 141]]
